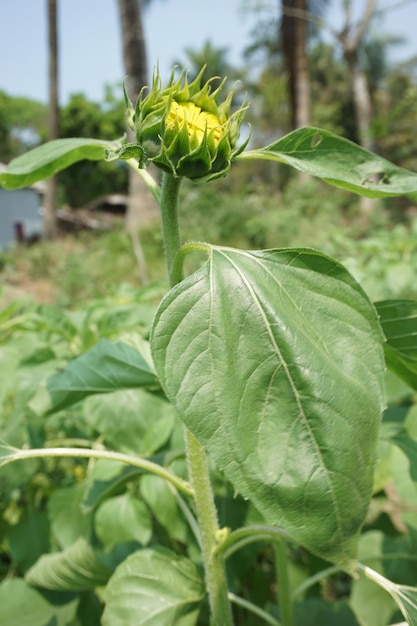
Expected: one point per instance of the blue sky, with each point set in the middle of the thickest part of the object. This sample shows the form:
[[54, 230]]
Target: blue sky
[[90, 50]]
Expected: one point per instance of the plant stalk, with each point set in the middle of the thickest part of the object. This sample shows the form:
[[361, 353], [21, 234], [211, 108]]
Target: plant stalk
[[199, 475], [170, 227], [284, 589], [15, 454], [216, 583]]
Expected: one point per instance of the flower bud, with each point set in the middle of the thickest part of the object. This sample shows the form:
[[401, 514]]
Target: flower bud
[[184, 131]]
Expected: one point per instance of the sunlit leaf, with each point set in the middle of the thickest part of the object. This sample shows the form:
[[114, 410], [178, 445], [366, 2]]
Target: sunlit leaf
[[154, 588], [44, 161], [339, 162], [274, 361]]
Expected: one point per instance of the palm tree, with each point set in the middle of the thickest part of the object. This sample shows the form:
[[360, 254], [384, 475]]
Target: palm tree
[[134, 47], [214, 59], [297, 18], [141, 205], [49, 216], [351, 37]]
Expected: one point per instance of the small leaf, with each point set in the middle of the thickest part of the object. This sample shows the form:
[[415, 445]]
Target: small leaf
[[75, 569], [164, 506], [274, 361], [125, 152], [399, 323], [67, 520], [154, 588], [106, 367], [104, 479], [131, 421], [409, 447], [121, 519], [339, 162], [44, 161]]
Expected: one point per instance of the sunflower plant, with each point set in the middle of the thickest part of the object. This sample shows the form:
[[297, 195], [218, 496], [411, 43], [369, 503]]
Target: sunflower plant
[[273, 360]]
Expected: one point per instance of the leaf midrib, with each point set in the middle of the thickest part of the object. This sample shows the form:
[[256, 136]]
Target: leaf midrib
[[293, 388]]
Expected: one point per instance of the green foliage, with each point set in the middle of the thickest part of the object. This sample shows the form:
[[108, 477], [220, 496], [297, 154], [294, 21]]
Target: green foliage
[[44, 161], [246, 343], [132, 596], [275, 362], [22, 124], [86, 181]]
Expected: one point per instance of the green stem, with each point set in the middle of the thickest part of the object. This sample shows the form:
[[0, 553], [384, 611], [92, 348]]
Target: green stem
[[199, 475], [216, 583], [149, 466], [249, 606], [170, 227], [284, 589], [249, 534], [147, 178]]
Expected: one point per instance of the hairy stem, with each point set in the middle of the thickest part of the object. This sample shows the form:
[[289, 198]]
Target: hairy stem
[[170, 227], [284, 590], [198, 469], [18, 455], [207, 516], [248, 534]]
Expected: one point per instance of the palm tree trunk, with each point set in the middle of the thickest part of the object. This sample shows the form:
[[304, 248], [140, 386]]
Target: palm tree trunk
[[294, 37], [351, 39], [49, 216], [361, 99], [134, 49], [141, 208]]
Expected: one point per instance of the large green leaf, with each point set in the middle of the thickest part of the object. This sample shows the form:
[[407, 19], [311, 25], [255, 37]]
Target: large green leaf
[[339, 162], [106, 367], [154, 588], [399, 322], [274, 361], [75, 569], [44, 161]]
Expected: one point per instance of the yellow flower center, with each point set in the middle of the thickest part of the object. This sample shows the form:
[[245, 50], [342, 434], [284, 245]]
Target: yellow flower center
[[196, 121]]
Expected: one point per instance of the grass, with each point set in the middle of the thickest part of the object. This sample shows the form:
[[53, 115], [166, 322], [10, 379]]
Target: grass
[[381, 254]]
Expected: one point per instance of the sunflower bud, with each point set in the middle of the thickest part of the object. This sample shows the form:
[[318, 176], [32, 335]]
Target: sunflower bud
[[184, 131]]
